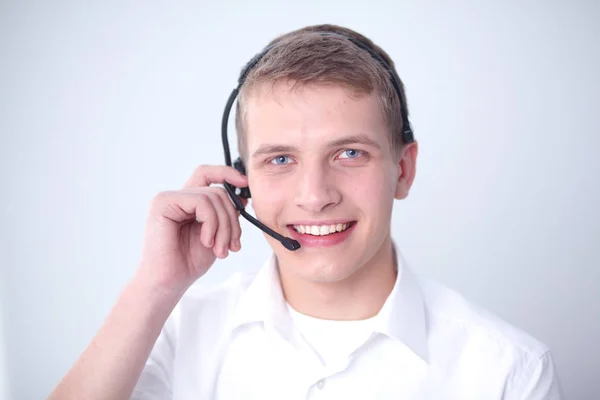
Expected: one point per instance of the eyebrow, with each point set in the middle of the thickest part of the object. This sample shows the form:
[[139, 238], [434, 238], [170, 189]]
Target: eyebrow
[[345, 141], [355, 139]]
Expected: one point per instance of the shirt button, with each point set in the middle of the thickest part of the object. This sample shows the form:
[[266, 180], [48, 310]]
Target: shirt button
[[321, 383]]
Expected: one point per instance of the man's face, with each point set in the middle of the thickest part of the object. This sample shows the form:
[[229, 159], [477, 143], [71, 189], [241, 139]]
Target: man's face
[[320, 161]]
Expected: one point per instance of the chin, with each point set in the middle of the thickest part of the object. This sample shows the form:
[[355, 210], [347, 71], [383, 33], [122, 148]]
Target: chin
[[332, 263], [321, 271]]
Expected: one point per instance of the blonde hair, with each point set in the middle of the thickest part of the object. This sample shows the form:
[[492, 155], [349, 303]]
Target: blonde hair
[[307, 57]]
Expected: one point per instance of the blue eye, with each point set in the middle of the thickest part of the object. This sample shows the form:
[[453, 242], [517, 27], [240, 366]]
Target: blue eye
[[280, 160], [350, 153]]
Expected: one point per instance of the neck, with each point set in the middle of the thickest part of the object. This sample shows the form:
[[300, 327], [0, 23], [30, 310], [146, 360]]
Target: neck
[[359, 296]]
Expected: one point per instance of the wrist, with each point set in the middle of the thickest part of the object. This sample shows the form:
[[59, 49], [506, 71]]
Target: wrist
[[157, 290]]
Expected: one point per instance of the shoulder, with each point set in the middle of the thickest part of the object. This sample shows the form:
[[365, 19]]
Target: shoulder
[[208, 303], [224, 294], [467, 338], [451, 314]]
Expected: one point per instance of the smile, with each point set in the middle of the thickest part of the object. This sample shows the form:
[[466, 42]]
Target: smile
[[322, 230]]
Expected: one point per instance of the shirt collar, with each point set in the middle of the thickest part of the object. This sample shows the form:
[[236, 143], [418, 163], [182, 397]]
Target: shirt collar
[[402, 316], [263, 301]]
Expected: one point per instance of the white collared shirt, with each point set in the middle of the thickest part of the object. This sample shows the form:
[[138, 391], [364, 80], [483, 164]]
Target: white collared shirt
[[332, 341], [238, 341]]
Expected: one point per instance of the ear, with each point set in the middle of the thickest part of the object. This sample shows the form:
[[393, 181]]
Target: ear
[[407, 168]]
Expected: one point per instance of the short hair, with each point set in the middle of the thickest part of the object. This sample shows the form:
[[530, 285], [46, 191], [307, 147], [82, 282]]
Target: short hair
[[306, 56]]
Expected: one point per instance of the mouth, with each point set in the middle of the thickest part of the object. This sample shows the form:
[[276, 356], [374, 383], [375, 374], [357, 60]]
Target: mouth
[[322, 235], [322, 230]]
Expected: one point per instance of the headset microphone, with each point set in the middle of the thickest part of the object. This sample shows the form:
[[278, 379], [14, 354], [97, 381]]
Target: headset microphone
[[287, 242], [236, 194]]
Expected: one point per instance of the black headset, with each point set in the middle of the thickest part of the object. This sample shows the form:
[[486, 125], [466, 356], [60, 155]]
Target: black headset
[[236, 194]]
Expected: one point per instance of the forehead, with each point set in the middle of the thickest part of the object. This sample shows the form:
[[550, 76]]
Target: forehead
[[311, 116]]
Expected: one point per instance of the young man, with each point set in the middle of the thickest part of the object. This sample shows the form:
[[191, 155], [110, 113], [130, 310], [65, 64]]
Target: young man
[[319, 125]]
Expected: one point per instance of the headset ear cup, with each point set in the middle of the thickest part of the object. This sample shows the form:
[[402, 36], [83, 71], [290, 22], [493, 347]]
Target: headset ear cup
[[238, 164], [245, 193]]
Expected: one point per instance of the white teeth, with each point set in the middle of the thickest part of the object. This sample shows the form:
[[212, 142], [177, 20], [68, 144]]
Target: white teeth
[[321, 230]]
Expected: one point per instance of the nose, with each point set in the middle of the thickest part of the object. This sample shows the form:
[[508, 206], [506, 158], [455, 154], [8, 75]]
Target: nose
[[316, 189]]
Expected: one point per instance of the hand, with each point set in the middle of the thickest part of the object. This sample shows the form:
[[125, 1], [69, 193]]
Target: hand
[[187, 230]]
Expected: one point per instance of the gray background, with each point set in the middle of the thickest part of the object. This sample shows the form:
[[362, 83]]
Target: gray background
[[103, 104]]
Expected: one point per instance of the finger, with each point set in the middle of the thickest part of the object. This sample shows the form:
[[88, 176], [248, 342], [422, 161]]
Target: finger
[[223, 233], [183, 206], [207, 216], [236, 231], [179, 206], [205, 175]]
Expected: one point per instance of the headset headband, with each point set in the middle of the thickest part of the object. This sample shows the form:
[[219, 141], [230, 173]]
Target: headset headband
[[407, 133]]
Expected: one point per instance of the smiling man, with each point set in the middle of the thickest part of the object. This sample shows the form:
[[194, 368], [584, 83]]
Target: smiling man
[[322, 130], [323, 171]]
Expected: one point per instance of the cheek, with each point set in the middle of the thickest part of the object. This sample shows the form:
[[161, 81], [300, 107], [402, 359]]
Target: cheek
[[268, 195], [372, 191], [375, 176]]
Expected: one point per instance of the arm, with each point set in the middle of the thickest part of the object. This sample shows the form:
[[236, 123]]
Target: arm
[[111, 365], [186, 231]]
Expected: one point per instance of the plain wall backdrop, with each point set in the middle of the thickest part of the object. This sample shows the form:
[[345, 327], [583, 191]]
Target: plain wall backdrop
[[104, 104]]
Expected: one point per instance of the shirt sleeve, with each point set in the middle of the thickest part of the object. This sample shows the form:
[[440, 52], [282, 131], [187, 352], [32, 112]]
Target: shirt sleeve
[[539, 381], [156, 379]]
